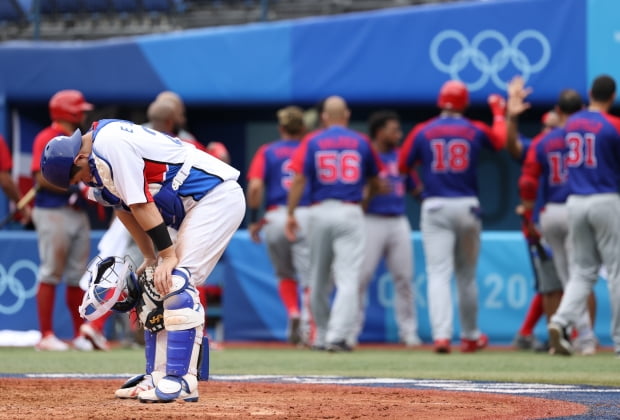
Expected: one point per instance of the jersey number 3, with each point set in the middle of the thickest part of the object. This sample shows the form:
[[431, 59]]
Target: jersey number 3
[[333, 166], [450, 156]]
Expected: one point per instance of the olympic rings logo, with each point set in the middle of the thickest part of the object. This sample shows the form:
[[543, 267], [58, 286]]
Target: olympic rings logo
[[489, 65], [10, 283]]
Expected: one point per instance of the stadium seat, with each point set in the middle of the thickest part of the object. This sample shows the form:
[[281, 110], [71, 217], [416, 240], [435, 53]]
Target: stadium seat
[[126, 6], [10, 11], [161, 6], [68, 6], [97, 6]]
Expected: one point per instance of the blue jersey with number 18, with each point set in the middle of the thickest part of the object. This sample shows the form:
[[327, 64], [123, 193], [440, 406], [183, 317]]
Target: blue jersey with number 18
[[448, 149]]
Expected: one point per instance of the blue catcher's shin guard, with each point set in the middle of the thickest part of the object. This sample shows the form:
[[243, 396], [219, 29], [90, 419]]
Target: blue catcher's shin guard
[[203, 360], [150, 347], [180, 347]]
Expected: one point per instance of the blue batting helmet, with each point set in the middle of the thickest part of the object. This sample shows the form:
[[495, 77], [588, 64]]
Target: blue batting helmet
[[58, 156]]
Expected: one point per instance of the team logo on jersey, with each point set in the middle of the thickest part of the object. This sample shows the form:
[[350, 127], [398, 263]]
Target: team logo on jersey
[[488, 54]]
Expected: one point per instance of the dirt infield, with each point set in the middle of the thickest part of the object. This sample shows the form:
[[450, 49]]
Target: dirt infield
[[71, 399]]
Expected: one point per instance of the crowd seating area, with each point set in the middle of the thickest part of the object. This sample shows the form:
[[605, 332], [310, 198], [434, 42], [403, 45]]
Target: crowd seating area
[[93, 19]]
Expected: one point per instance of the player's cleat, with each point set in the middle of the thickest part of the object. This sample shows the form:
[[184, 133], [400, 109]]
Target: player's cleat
[[168, 389], [81, 343], [559, 341], [541, 347], [525, 342], [442, 346], [470, 346], [586, 346], [51, 343], [413, 341], [95, 337], [134, 386], [338, 347], [294, 330]]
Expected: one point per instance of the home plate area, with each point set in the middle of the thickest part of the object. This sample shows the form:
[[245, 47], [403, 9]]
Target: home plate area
[[308, 397]]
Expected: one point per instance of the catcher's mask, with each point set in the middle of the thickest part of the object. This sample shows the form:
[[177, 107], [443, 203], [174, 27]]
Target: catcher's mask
[[113, 286]]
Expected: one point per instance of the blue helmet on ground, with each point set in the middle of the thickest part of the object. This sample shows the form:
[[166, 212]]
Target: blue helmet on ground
[[58, 156]]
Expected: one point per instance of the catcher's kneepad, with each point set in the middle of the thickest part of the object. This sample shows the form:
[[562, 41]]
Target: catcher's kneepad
[[182, 308]]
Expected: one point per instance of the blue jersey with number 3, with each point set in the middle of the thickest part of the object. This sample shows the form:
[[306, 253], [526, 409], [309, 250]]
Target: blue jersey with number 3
[[593, 160]]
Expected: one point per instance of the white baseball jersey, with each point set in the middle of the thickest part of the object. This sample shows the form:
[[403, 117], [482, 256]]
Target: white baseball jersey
[[133, 161]]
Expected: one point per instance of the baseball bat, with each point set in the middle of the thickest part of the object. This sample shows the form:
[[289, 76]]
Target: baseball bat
[[27, 198]]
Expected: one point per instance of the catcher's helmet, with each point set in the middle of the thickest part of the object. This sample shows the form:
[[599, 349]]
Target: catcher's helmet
[[453, 96], [113, 286], [68, 105], [57, 158]]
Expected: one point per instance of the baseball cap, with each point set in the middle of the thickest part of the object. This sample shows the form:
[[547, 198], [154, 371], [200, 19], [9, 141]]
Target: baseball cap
[[291, 118]]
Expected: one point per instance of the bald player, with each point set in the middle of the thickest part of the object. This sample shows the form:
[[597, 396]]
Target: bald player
[[179, 118], [447, 149], [336, 162]]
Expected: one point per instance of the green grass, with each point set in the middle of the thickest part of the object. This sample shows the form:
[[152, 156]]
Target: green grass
[[504, 366]]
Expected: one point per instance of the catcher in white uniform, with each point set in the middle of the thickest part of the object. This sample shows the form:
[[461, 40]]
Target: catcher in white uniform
[[155, 181]]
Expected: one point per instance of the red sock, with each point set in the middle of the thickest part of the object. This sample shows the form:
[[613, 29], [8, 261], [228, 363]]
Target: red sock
[[99, 323], [288, 294], [45, 305], [74, 299], [534, 313]]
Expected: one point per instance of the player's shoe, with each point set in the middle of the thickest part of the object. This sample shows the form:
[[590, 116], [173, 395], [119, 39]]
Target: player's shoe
[[135, 386], [470, 346], [413, 341], [95, 337], [293, 330], [441, 346], [81, 343], [586, 346], [51, 343], [170, 388], [559, 341], [338, 347], [524, 342]]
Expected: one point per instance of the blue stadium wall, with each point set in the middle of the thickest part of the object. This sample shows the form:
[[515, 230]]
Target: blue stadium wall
[[251, 308], [234, 78]]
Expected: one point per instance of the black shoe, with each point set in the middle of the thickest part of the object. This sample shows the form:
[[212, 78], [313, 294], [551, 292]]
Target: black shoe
[[339, 346], [559, 340], [541, 347]]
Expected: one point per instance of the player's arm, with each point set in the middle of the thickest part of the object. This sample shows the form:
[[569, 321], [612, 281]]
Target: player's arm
[[8, 186], [497, 134], [294, 197], [255, 194], [515, 106], [149, 219]]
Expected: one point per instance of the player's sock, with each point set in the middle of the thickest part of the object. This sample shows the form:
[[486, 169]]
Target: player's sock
[[74, 299], [288, 294], [99, 323], [45, 306], [534, 313]]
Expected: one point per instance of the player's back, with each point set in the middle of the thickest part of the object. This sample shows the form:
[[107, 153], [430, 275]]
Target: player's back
[[337, 161], [277, 172], [448, 149], [593, 141], [550, 150]]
